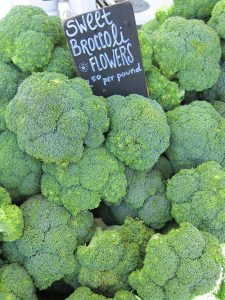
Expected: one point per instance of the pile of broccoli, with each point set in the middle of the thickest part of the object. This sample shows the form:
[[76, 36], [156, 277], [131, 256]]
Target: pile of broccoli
[[119, 198]]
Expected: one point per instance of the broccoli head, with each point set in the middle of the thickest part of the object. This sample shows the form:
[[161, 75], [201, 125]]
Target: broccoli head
[[54, 117], [85, 293], [98, 175], [179, 265], [29, 37], [193, 9], [217, 20], [13, 24], [61, 62], [28, 60], [197, 196], [189, 51], [11, 218], [166, 92], [20, 173], [111, 255], [197, 135], [16, 283], [46, 248], [139, 131], [145, 199], [217, 92]]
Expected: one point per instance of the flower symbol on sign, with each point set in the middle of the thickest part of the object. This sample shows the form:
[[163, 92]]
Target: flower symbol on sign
[[83, 67]]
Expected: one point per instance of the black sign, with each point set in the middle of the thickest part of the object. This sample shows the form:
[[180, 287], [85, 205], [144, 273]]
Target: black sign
[[106, 51]]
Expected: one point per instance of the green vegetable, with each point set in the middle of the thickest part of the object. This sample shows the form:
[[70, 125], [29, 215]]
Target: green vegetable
[[197, 135], [166, 92], [217, 20], [197, 196], [23, 57], [20, 174], [61, 62], [192, 9], [16, 283], [46, 248], [54, 117], [145, 199], [11, 218], [98, 175], [139, 131], [111, 255], [179, 265], [189, 51], [29, 37]]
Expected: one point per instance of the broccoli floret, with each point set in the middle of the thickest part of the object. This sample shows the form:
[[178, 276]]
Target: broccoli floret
[[219, 107], [197, 135], [15, 22], [85, 293], [197, 197], [111, 255], [146, 49], [139, 131], [217, 92], [20, 174], [61, 62], [46, 248], [49, 26], [54, 117], [145, 198], [28, 60], [189, 51], [179, 265], [11, 218], [98, 175], [217, 20], [16, 283], [29, 36], [194, 9], [166, 92]]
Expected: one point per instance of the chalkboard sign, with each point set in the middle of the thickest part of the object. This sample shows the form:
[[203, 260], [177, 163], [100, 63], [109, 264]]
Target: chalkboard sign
[[106, 51]]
